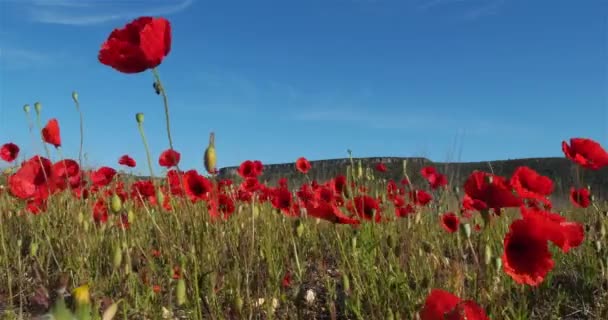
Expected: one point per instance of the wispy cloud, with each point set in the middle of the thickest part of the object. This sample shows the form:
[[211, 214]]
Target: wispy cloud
[[92, 12], [19, 58]]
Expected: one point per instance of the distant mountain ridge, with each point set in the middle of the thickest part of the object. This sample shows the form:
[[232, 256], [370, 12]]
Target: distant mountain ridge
[[561, 170]]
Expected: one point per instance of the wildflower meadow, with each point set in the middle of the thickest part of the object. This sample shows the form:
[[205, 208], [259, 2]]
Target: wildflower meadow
[[186, 244]]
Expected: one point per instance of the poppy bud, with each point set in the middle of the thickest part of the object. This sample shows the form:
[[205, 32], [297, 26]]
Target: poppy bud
[[115, 203], [130, 216], [75, 96], [465, 229], [110, 312], [38, 107], [598, 246], [160, 197], [353, 242], [139, 117], [238, 304], [346, 283], [180, 292], [33, 249], [210, 157], [498, 263], [299, 228], [359, 170], [26, 108], [488, 254], [116, 257]]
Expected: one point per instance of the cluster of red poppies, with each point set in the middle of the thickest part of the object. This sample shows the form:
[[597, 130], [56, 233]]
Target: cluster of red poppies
[[143, 43]]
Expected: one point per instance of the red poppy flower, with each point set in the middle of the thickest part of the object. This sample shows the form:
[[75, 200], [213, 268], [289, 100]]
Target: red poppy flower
[[303, 165], [100, 211], [250, 169], [143, 191], [381, 167], [102, 176], [169, 158], [51, 133], [492, 190], [556, 228], [140, 45], [222, 206], [440, 305], [402, 212], [530, 184], [339, 184], [9, 152], [329, 212], [286, 282], [526, 256], [66, 174], [434, 178], [586, 153], [196, 186], [365, 207], [282, 200], [450, 222], [32, 180], [175, 182], [420, 197], [125, 160], [580, 197]]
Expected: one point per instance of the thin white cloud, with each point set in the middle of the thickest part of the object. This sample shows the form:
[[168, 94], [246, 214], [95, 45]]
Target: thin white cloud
[[19, 58], [93, 12]]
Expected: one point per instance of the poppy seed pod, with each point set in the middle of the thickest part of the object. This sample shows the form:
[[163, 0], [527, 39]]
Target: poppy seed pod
[[139, 117], [38, 107], [75, 96], [26, 108], [210, 157]]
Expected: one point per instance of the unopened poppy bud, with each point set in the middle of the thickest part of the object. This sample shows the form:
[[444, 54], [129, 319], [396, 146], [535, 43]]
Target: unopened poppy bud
[[33, 248], [38, 107], [139, 117], [160, 197], [345, 282], [116, 257], [256, 211], [75, 96], [359, 170], [180, 292], [353, 242], [488, 254], [498, 263], [110, 312], [210, 157], [26, 108], [598, 246], [130, 216], [115, 203], [299, 228], [238, 304], [465, 230]]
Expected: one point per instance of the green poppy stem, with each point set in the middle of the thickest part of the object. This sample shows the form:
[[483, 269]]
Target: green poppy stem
[[161, 90], [140, 126], [77, 103]]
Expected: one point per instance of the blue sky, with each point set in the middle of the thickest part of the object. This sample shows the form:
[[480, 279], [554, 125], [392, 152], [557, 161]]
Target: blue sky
[[468, 80]]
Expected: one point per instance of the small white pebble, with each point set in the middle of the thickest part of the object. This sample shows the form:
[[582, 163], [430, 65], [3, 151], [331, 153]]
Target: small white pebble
[[310, 296]]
